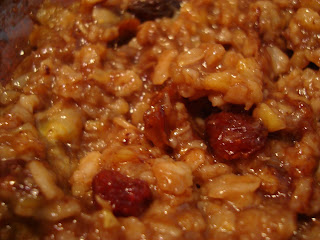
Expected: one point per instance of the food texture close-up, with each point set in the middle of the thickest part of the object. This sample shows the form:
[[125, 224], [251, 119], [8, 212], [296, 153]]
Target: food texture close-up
[[159, 119]]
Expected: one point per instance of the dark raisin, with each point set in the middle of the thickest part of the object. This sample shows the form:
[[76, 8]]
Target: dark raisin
[[161, 118], [146, 10], [127, 30], [201, 107], [156, 127], [233, 136], [127, 196]]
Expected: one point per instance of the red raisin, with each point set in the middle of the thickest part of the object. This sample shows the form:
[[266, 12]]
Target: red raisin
[[234, 135], [127, 196]]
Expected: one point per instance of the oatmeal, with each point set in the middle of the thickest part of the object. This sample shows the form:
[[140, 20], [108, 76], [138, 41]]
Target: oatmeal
[[180, 119]]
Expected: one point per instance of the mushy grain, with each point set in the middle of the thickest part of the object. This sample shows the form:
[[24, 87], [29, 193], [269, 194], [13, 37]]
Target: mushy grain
[[180, 119]]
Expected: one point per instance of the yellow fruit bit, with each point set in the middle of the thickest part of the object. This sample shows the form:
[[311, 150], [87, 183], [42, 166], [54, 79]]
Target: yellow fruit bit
[[104, 16], [63, 126], [109, 220], [269, 118], [220, 81]]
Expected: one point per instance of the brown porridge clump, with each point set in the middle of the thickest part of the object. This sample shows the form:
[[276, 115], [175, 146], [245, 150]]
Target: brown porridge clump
[[160, 119]]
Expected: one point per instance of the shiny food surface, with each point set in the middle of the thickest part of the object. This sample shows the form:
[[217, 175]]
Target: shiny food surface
[[132, 119]]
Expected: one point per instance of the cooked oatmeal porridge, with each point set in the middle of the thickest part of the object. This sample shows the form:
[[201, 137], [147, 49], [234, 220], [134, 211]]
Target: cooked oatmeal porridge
[[161, 120]]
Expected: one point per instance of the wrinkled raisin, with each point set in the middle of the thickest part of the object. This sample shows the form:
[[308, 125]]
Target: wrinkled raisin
[[156, 127], [161, 118], [146, 10], [233, 136], [127, 196]]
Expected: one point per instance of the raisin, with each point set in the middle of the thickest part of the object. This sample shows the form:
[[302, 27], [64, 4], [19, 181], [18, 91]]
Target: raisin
[[146, 10], [127, 196], [156, 127], [200, 107], [234, 135], [161, 118], [127, 30]]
